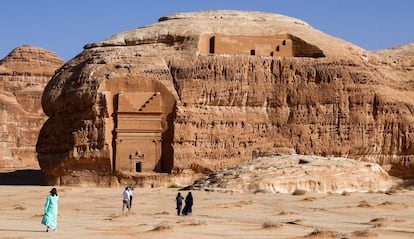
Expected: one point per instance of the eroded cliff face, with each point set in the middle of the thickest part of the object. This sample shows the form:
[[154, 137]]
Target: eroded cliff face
[[23, 75], [235, 106], [219, 109]]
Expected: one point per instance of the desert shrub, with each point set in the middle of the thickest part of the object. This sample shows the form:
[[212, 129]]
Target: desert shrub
[[319, 233], [299, 192], [282, 213], [260, 190], [162, 213], [271, 224], [364, 233], [19, 207], [174, 185], [310, 199], [364, 204], [162, 226], [379, 222], [391, 191]]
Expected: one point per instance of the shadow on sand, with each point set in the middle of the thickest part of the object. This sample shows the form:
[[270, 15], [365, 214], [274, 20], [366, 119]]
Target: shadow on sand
[[22, 177], [20, 230]]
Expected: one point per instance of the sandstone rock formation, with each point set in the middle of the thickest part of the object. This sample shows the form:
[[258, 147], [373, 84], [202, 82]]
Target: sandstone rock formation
[[23, 75], [294, 173], [197, 92]]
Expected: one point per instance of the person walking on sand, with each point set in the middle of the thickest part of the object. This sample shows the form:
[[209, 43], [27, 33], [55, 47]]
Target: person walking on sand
[[179, 202], [125, 200], [188, 208], [130, 190], [51, 211]]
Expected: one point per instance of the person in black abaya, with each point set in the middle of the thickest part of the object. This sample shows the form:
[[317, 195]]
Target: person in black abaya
[[179, 202], [188, 208]]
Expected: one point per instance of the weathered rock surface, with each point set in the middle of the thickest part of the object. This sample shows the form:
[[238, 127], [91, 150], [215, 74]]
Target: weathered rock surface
[[23, 75], [294, 173], [222, 99]]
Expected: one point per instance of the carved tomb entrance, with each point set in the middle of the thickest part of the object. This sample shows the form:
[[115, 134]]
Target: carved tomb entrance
[[138, 131]]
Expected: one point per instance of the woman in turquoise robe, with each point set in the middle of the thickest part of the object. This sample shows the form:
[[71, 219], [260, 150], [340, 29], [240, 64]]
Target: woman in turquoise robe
[[51, 211]]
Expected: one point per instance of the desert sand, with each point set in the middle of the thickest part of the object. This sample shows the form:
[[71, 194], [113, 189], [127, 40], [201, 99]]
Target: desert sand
[[90, 212]]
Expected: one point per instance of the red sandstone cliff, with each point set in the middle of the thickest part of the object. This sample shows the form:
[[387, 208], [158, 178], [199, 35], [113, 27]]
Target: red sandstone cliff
[[226, 95], [23, 75]]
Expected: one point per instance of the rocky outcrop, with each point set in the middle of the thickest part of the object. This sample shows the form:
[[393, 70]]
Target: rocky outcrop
[[23, 75], [297, 173], [209, 107]]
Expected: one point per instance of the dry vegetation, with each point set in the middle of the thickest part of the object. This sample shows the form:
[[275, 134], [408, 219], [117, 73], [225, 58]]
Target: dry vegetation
[[96, 213]]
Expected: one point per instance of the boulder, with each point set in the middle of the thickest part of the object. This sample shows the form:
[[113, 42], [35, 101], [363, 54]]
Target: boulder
[[298, 173]]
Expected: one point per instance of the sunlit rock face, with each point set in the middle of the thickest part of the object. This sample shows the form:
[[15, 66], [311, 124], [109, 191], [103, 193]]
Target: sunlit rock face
[[197, 92], [298, 174], [24, 73]]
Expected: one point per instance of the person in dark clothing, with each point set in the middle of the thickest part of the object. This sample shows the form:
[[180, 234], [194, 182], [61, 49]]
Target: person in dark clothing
[[188, 208], [130, 192], [179, 201]]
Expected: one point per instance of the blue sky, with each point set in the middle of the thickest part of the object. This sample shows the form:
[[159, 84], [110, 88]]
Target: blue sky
[[66, 26]]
